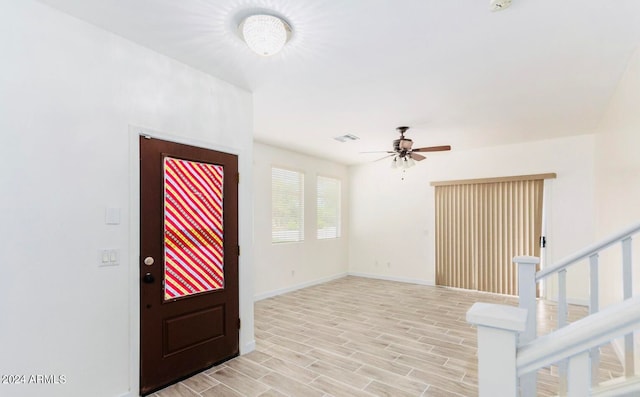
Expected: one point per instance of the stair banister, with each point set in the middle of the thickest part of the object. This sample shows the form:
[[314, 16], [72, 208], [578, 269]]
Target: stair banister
[[582, 335], [576, 340], [527, 285], [501, 360], [586, 252]]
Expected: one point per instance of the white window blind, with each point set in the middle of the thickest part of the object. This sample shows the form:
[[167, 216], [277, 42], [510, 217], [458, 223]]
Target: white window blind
[[328, 207], [287, 205]]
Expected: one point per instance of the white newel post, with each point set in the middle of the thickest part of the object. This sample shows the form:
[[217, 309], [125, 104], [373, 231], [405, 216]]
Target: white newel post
[[527, 291], [498, 329]]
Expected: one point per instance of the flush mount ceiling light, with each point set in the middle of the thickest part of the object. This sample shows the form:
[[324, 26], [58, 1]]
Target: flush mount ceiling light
[[265, 34]]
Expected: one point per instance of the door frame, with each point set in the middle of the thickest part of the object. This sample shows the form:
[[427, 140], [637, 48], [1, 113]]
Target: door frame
[[245, 290]]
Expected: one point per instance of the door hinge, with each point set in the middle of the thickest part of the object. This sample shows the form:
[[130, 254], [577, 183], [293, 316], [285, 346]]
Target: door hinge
[[239, 324], [543, 241], [238, 250], [238, 176]]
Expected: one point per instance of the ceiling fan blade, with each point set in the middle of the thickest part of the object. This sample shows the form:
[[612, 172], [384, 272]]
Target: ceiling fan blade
[[432, 149], [417, 157], [379, 151], [385, 157]]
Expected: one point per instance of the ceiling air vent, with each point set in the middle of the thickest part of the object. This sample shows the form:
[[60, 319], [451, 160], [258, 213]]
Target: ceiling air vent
[[346, 138], [497, 5]]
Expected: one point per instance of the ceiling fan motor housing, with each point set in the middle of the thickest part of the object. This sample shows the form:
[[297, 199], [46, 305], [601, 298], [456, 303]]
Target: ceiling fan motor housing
[[403, 148], [402, 144], [406, 144], [396, 145]]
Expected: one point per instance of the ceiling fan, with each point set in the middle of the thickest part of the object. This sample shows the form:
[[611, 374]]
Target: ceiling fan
[[403, 153]]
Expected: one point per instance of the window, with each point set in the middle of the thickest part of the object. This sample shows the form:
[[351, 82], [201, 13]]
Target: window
[[328, 207], [287, 206]]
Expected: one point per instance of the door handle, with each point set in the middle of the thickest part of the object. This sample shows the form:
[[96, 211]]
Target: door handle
[[148, 278]]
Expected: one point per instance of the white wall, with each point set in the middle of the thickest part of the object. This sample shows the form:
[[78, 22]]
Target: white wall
[[618, 177], [392, 220], [68, 94], [286, 266]]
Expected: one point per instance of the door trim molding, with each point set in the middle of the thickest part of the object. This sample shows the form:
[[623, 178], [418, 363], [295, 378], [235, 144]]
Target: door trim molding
[[134, 245], [134, 254]]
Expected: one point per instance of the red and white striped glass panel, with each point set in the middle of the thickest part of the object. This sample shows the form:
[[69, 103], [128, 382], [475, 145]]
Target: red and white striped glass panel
[[193, 231]]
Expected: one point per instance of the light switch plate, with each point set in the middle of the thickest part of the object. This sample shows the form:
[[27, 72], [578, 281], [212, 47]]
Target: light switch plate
[[108, 257], [112, 216]]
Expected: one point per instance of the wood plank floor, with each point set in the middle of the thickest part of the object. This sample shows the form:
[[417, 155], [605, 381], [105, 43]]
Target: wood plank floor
[[364, 337]]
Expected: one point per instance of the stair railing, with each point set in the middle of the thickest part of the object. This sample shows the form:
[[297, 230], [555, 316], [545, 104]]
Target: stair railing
[[528, 279], [502, 360]]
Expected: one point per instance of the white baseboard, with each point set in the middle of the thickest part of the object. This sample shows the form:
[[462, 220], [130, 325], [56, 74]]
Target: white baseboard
[[281, 291], [393, 278], [248, 347], [129, 394]]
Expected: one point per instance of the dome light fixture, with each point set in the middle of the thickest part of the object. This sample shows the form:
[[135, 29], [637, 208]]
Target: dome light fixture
[[265, 34]]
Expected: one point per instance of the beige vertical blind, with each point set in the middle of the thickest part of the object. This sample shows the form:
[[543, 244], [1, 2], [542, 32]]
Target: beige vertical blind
[[481, 225]]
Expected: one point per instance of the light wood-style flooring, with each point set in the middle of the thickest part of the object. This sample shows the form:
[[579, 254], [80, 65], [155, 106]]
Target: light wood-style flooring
[[357, 337]]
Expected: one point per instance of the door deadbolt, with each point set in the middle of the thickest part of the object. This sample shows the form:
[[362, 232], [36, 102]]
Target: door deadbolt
[[148, 278], [148, 261]]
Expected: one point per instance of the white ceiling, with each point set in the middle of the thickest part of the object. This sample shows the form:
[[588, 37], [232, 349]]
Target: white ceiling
[[452, 70]]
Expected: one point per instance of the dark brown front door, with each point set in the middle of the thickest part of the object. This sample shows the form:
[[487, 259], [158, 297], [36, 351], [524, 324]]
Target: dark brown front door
[[189, 316]]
